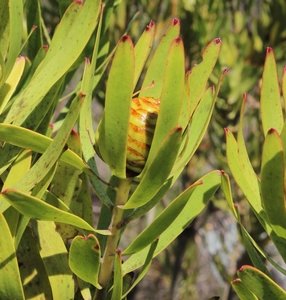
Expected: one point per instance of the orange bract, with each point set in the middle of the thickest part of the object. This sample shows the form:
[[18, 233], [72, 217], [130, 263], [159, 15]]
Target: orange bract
[[144, 112]]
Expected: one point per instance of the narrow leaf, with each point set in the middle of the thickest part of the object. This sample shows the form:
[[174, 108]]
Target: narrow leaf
[[171, 97], [153, 81], [194, 206], [271, 110], [161, 223], [11, 83], [118, 278], [60, 56], [145, 268], [37, 142], [117, 108], [55, 258], [198, 77], [35, 208], [142, 50], [10, 281], [272, 182], [157, 172]]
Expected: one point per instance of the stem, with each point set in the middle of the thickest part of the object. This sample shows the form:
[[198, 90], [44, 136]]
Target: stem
[[106, 269]]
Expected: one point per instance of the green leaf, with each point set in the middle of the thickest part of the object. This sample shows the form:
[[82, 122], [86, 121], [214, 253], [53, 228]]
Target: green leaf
[[84, 258], [86, 130], [153, 81], [255, 254], [198, 77], [11, 83], [161, 223], [195, 132], [55, 258], [37, 142], [241, 291], [17, 171], [171, 98], [113, 136], [194, 206], [54, 151], [284, 85], [35, 208], [260, 284], [118, 278], [15, 33], [145, 267], [10, 281], [142, 50], [242, 173], [60, 57], [270, 102], [272, 182], [157, 172]]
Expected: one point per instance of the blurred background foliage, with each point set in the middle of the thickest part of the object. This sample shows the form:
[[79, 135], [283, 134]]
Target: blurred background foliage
[[202, 261]]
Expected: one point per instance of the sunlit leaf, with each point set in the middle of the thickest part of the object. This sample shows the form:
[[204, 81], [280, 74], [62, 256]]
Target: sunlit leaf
[[270, 101], [84, 258]]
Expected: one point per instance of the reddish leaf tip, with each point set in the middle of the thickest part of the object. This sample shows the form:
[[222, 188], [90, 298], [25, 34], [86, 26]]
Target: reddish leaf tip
[[284, 69], [272, 131], [226, 130], [175, 21], [80, 2], [244, 97], [46, 47], [150, 25], [87, 60], [244, 267], [5, 191], [179, 129], [217, 41], [225, 71], [118, 251], [269, 50], [74, 133], [82, 95], [125, 38], [222, 172], [178, 40], [34, 27]]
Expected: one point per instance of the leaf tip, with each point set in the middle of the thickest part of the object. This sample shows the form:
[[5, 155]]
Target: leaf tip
[[217, 41], [79, 2], [269, 50], [87, 60], [272, 131], [284, 70], [178, 40], [175, 21], [236, 281], [125, 38], [150, 25], [226, 130], [45, 47], [34, 27], [245, 267]]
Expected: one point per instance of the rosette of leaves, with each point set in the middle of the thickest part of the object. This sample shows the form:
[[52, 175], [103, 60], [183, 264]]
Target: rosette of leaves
[[148, 140], [265, 192]]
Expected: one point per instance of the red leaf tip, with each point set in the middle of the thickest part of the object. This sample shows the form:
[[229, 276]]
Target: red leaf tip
[[272, 131], [225, 71], [125, 38], [34, 27], [80, 2], [244, 267], [178, 40], [46, 47], [269, 50], [175, 21], [284, 69], [244, 97], [87, 60], [217, 41], [150, 25], [226, 130]]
